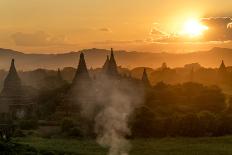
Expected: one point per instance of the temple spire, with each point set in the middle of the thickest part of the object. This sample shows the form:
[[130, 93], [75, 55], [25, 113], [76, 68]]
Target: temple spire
[[112, 67], [145, 78], [222, 67], [82, 71], [12, 80]]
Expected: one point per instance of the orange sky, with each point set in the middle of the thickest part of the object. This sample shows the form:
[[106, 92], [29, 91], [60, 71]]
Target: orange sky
[[52, 26]]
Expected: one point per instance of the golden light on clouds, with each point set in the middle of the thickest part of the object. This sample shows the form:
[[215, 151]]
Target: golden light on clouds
[[193, 28], [77, 24]]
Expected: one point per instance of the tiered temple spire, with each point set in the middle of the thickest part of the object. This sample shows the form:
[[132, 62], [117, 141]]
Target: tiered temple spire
[[222, 66], [112, 66], [12, 81], [82, 71], [145, 78]]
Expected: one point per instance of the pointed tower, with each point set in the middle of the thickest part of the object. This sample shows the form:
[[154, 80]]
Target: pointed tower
[[145, 78], [222, 67], [164, 66], [82, 71], [223, 76], [15, 96], [112, 67], [12, 81]]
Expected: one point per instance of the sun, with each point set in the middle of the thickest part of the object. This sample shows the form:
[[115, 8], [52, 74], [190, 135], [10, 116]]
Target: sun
[[193, 28]]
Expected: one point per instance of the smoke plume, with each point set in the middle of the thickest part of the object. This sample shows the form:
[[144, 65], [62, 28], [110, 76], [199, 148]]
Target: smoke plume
[[115, 101]]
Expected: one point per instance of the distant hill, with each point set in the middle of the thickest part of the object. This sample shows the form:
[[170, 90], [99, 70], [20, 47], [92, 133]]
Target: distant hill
[[96, 57]]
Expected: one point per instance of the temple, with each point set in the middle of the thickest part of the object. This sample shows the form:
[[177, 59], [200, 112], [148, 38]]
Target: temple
[[110, 65], [222, 68], [15, 101], [80, 89], [82, 73], [145, 79]]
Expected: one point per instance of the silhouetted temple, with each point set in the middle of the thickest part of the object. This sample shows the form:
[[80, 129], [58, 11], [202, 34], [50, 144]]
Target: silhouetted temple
[[222, 68], [80, 90], [15, 102], [223, 75], [145, 78], [110, 65], [82, 74]]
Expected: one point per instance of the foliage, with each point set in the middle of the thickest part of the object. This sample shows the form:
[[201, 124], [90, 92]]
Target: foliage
[[67, 124], [28, 124]]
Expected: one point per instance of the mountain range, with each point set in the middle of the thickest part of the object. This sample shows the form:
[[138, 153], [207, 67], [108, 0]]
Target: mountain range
[[96, 57]]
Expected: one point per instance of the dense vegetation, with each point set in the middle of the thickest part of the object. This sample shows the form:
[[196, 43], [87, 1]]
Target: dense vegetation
[[188, 109]]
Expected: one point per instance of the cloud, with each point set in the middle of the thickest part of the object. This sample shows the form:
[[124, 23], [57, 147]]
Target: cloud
[[38, 38], [155, 31], [119, 42], [220, 28], [105, 29]]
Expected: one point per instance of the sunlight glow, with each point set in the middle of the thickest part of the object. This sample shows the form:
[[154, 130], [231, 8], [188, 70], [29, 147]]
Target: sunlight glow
[[193, 28]]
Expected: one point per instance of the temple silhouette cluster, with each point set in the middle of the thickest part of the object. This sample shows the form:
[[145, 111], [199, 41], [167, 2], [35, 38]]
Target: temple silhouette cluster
[[16, 101]]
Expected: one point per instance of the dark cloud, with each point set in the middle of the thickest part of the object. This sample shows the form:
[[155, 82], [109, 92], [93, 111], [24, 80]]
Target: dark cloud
[[105, 29], [219, 28], [38, 38]]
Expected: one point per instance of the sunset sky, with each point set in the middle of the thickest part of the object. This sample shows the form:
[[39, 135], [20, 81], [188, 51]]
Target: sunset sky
[[56, 26]]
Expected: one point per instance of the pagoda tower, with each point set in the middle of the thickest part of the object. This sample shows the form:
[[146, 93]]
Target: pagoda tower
[[145, 78], [12, 83], [222, 68], [82, 73], [111, 65], [15, 97]]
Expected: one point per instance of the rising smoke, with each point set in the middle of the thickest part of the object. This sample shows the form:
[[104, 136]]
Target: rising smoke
[[115, 101]]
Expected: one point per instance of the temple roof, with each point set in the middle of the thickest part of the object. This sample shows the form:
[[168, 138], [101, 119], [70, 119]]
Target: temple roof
[[222, 66], [112, 67], [82, 71], [145, 77], [164, 65], [12, 81]]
